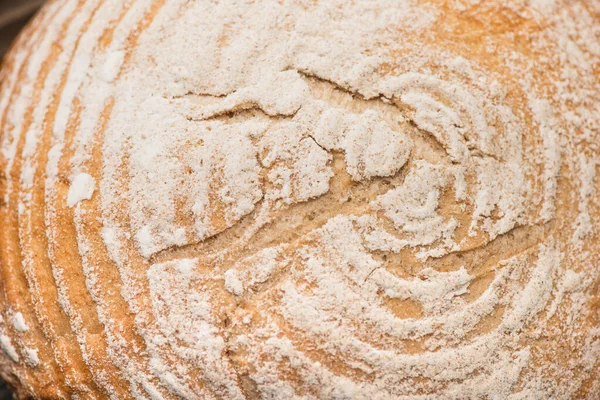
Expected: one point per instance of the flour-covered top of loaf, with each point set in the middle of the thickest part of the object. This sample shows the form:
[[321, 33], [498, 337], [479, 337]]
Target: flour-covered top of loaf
[[312, 199]]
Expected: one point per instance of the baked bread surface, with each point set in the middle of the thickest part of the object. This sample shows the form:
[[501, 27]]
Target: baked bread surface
[[384, 199]]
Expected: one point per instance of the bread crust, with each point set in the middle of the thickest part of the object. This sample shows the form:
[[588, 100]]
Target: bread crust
[[301, 199]]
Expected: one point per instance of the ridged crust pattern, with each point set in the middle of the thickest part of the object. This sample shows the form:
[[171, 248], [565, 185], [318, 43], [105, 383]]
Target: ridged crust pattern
[[385, 199]]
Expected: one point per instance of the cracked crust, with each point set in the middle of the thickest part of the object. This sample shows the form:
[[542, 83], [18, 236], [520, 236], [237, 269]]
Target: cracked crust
[[301, 200]]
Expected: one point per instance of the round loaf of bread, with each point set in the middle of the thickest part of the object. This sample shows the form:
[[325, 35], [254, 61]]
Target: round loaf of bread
[[303, 199]]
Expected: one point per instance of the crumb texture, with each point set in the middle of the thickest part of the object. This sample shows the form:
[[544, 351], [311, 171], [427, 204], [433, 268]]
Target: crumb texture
[[371, 199]]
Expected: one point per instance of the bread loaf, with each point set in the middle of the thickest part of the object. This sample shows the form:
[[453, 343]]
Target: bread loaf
[[328, 199]]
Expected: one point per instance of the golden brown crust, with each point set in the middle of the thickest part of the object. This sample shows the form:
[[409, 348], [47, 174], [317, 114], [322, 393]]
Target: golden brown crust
[[329, 199]]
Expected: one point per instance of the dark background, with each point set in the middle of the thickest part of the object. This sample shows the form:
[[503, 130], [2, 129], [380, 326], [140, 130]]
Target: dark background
[[13, 15], [4, 391]]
